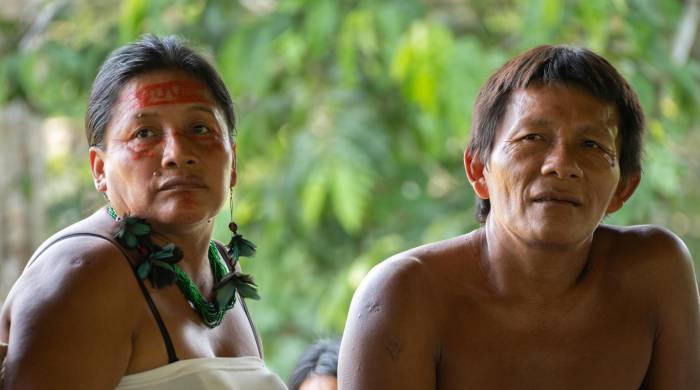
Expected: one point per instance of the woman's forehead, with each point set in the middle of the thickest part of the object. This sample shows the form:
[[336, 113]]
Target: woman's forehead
[[164, 87]]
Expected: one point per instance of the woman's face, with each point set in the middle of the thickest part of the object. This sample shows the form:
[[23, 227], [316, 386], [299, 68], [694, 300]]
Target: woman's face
[[167, 155], [319, 382]]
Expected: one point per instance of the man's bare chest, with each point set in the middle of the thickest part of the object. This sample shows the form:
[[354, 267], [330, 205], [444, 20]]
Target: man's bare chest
[[593, 344]]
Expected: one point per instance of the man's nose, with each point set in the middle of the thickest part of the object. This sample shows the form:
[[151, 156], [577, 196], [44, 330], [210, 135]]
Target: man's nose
[[177, 150], [561, 161]]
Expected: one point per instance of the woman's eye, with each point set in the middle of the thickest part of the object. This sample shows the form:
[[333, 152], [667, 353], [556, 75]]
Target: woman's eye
[[144, 133], [201, 129]]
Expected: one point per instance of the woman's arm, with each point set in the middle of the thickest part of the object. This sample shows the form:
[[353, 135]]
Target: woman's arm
[[71, 317]]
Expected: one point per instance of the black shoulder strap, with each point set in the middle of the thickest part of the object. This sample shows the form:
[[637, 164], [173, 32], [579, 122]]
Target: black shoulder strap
[[172, 357], [232, 268]]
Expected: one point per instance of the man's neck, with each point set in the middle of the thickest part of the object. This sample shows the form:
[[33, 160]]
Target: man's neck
[[534, 272]]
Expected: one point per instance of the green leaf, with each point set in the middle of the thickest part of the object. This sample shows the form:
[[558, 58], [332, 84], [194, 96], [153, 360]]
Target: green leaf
[[144, 269], [313, 197], [350, 194], [140, 229], [162, 275], [225, 294], [130, 240], [247, 291]]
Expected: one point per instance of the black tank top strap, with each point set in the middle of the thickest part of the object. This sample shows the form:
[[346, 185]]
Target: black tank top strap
[[232, 268], [170, 348]]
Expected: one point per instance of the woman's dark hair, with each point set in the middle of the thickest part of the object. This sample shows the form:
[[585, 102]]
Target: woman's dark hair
[[321, 358], [149, 53], [547, 65]]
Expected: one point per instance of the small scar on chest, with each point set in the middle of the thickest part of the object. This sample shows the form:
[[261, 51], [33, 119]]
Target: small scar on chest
[[394, 347]]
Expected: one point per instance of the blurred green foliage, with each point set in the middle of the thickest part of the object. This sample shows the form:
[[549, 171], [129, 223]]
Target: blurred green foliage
[[353, 116]]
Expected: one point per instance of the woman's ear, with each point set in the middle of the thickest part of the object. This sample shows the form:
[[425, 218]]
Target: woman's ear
[[625, 189], [475, 173], [97, 166]]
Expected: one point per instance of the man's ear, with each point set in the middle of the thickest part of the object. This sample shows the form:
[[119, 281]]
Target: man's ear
[[97, 166], [234, 173], [625, 189], [475, 173]]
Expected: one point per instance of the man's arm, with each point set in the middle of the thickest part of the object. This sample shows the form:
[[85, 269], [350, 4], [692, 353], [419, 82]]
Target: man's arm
[[675, 361], [70, 318], [390, 340]]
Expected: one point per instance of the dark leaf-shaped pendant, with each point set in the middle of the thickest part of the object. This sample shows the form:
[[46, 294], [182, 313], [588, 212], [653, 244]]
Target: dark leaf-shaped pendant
[[162, 274], [239, 246], [169, 253], [225, 293], [130, 230], [144, 269], [246, 286]]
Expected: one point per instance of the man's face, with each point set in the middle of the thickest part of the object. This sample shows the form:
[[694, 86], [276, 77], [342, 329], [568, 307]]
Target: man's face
[[553, 172]]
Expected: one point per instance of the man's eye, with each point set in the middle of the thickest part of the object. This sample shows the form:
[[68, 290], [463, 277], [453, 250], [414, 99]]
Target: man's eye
[[532, 137], [591, 144], [144, 133], [201, 129]]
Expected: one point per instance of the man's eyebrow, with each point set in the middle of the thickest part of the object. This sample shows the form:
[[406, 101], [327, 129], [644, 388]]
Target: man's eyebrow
[[535, 122], [606, 130]]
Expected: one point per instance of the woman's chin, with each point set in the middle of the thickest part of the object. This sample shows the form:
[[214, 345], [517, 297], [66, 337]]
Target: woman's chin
[[182, 216]]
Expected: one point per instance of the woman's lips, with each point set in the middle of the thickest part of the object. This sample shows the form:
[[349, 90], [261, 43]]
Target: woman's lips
[[181, 183]]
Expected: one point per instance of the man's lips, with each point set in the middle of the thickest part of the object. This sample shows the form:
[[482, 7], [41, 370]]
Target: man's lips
[[181, 182], [557, 197]]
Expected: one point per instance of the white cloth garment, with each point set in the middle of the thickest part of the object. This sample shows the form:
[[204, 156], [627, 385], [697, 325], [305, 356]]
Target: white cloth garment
[[245, 373]]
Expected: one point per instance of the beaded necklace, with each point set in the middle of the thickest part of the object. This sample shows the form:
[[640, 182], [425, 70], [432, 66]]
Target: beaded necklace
[[159, 265]]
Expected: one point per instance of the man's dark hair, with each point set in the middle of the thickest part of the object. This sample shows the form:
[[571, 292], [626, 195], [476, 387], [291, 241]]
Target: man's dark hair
[[321, 358], [563, 65], [148, 54]]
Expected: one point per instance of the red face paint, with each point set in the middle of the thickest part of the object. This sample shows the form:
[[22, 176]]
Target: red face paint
[[138, 153], [171, 92]]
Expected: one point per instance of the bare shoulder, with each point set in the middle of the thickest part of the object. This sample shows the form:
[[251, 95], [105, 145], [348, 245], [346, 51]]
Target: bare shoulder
[[650, 252], [413, 278], [73, 303], [661, 268], [68, 266], [394, 322], [72, 273]]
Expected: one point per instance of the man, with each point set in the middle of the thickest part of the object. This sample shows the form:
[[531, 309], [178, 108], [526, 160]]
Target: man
[[542, 296]]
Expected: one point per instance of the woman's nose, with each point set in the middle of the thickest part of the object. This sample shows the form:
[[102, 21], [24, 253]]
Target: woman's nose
[[177, 151]]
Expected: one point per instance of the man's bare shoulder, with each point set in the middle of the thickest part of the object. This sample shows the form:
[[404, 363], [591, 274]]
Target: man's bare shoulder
[[394, 322], [647, 249], [412, 283]]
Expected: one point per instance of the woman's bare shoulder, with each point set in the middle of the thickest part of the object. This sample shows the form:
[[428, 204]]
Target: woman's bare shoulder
[[80, 270], [74, 304]]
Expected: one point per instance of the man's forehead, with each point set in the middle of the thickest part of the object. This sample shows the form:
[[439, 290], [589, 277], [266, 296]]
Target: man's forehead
[[540, 103]]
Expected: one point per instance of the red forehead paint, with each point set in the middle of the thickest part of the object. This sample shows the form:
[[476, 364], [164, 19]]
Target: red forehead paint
[[171, 92]]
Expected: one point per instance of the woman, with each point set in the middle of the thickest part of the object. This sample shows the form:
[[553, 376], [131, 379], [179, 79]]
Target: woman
[[317, 368], [137, 295]]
